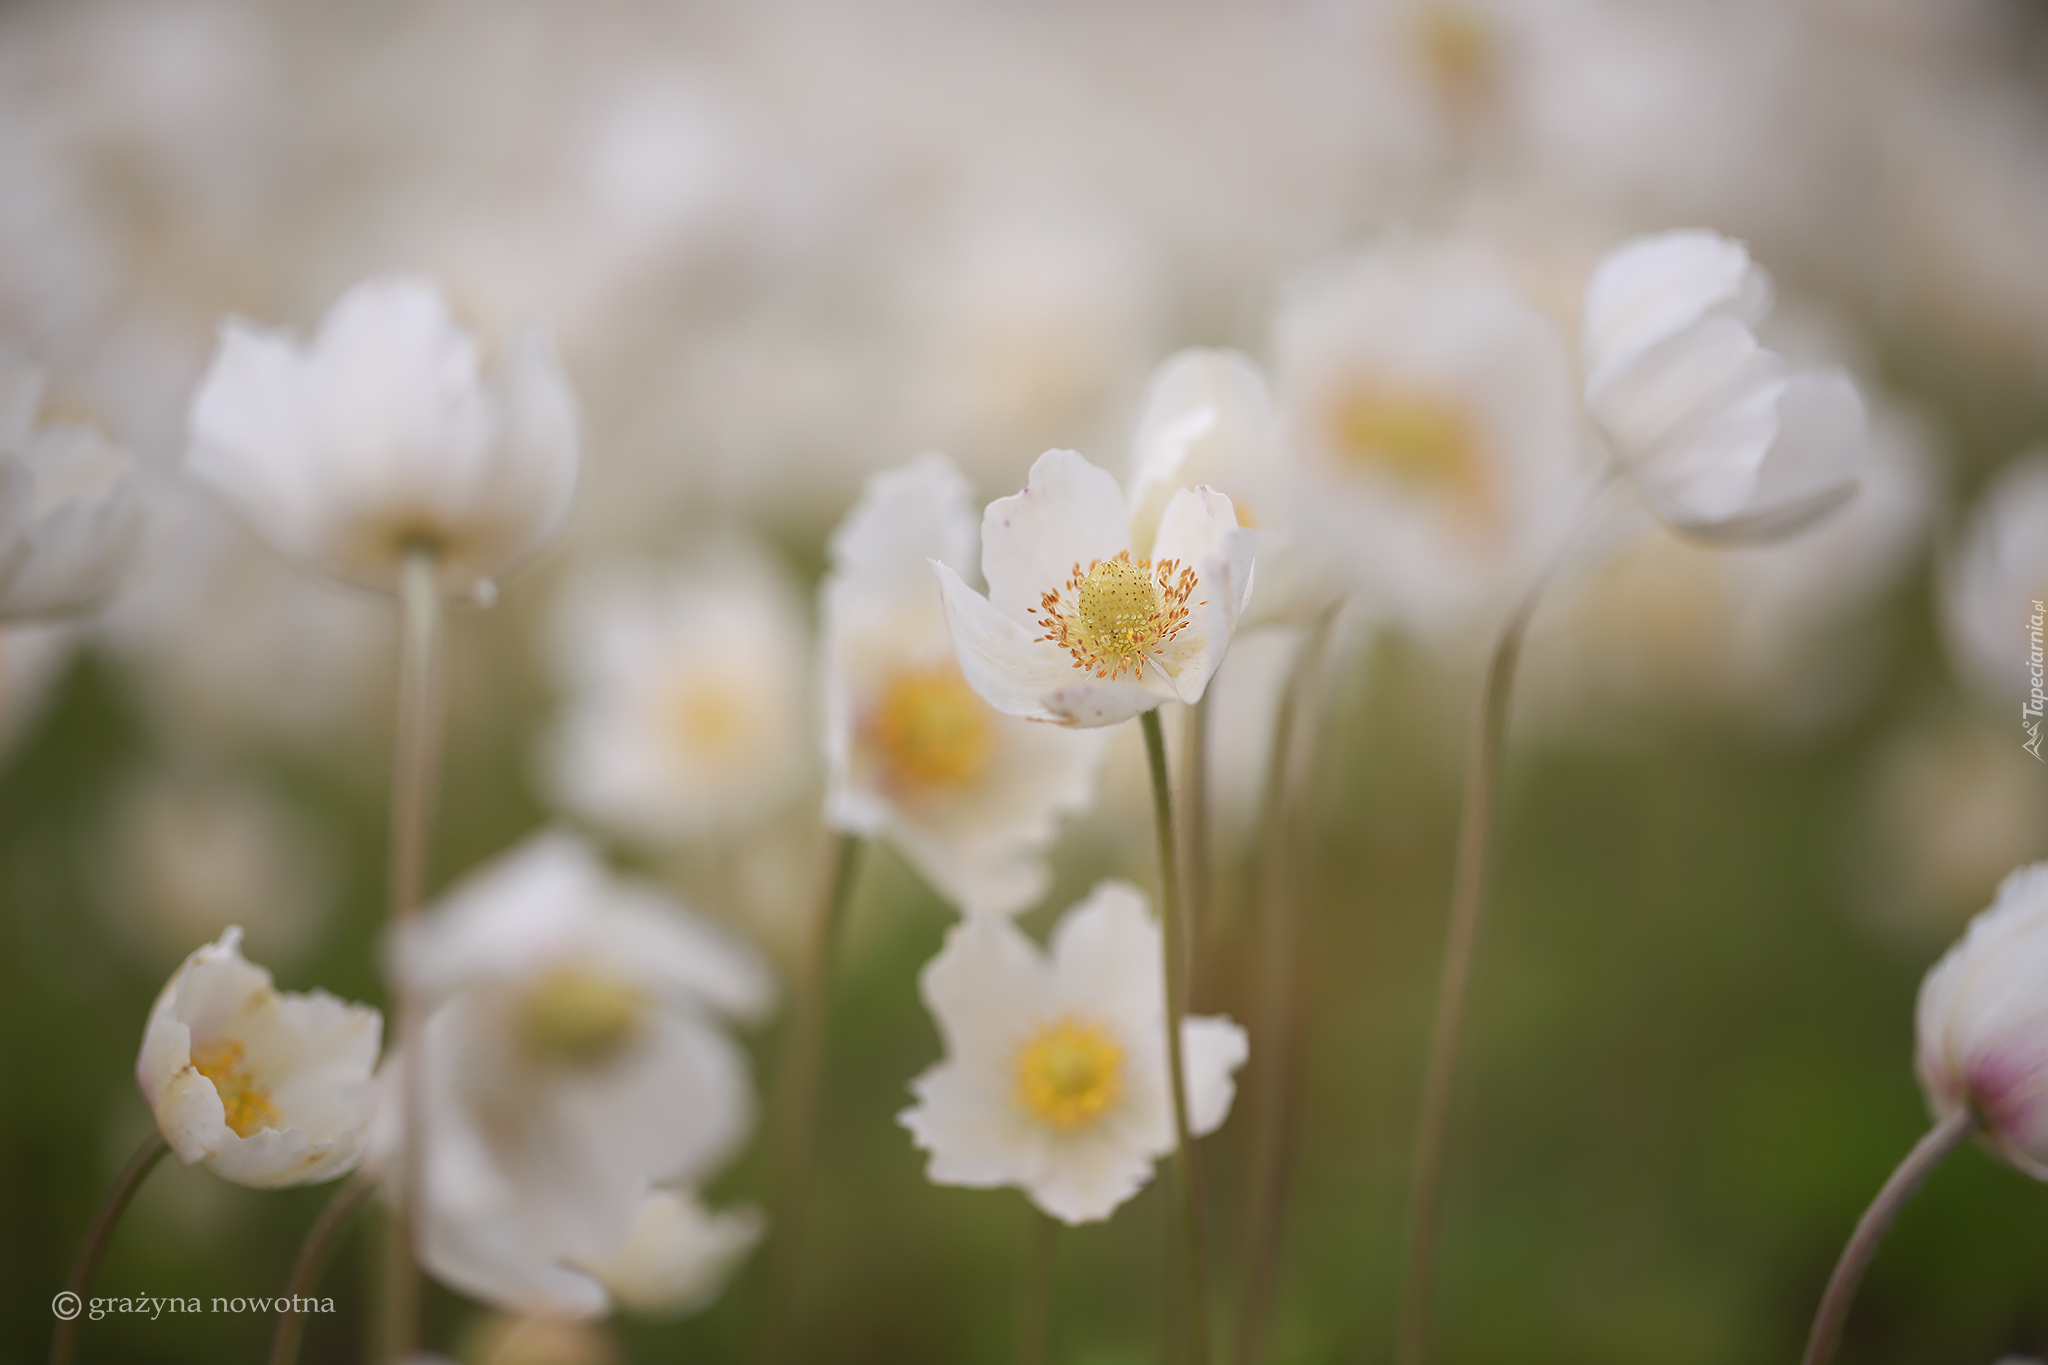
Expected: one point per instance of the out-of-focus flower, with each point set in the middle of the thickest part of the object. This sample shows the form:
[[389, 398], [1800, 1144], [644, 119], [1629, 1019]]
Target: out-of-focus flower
[[687, 699], [1076, 630], [678, 1254], [1724, 439], [267, 1088], [71, 510], [31, 659], [1055, 1075], [1428, 419], [970, 795], [1997, 585], [385, 435], [504, 1339], [1983, 1023], [574, 1057]]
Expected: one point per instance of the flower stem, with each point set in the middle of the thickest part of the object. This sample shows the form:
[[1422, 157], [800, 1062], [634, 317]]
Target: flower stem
[[64, 1345], [291, 1324], [1173, 918], [1942, 1139], [1194, 821], [1034, 1326], [797, 1094], [414, 770]]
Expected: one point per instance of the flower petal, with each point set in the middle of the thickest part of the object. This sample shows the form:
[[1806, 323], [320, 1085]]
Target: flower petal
[[1070, 513]]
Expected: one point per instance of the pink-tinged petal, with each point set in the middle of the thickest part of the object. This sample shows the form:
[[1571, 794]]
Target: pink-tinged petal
[[1213, 1048], [1091, 702], [1070, 513]]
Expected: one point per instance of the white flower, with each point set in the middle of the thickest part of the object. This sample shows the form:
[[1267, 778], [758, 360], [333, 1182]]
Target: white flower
[[385, 435], [1997, 586], [71, 511], [1055, 1075], [687, 710], [1077, 629], [574, 1058], [267, 1088], [677, 1256], [1983, 1023], [1724, 439], [971, 796]]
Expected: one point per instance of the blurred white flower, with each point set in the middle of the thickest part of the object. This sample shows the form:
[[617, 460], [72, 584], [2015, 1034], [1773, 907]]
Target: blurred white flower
[[1983, 1023], [386, 435], [1724, 440], [687, 710], [574, 1057], [1055, 1075], [71, 509], [1995, 581], [508, 1339], [969, 795], [267, 1088], [1076, 630], [678, 1255]]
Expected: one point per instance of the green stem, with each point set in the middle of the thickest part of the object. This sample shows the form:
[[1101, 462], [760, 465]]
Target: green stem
[[1173, 918], [1035, 1322], [64, 1345], [1942, 1139], [797, 1095], [291, 1324]]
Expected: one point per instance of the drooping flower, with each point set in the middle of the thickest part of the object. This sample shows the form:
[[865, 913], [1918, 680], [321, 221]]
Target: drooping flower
[[267, 1088], [71, 509], [1983, 1023], [969, 795], [1995, 596], [574, 1057], [1724, 439], [385, 436], [1079, 629], [1055, 1076]]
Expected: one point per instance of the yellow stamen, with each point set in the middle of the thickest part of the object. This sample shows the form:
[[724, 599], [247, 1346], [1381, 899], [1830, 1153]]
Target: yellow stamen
[[581, 1017], [248, 1106], [930, 730], [1070, 1073], [1420, 439], [1118, 613]]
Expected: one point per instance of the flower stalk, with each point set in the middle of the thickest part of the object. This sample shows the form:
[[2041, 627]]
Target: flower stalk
[[1034, 1324], [64, 1345], [313, 1253]]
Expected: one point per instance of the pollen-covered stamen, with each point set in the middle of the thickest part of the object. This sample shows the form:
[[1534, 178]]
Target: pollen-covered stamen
[[1118, 613], [246, 1105], [1070, 1073]]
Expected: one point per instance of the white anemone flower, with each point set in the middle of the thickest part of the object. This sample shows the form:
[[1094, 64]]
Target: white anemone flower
[[267, 1088], [1055, 1076], [575, 1057], [71, 509], [969, 795], [678, 1255], [1077, 628], [1983, 1023], [1724, 439], [1995, 594], [385, 436]]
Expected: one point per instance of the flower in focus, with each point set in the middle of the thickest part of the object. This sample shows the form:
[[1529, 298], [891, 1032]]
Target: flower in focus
[[573, 1058], [386, 436], [677, 1256], [71, 513], [1983, 1023], [1077, 630], [267, 1088], [1055, 1075], [971, 796], [1997, 585], [1724, 439], [687, 708]]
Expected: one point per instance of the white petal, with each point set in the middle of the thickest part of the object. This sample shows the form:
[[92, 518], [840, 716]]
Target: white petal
[[907, 515], [1000, 657], [1070, 513], [1650, 288], [1212, 1049], [678, 1255], [1200, 530], [1107, 961], [968, 1120], [1207, 419], [985, 988], [1089, 1174]]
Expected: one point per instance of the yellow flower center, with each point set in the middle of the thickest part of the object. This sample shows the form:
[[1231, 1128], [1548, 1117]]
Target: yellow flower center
[[1419, 439], [1118, 613], [708, 717], [930, 730], [1070, 1073], [247, 1104], [581, 1017]]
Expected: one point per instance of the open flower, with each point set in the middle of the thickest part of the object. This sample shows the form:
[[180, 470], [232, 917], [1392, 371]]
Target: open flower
[[71, 512], [1077, 628], [267, 1088], [1983, 1023], [1055, 1075], [385, 436], [1724, 439], [574, 1058], [971, 796]]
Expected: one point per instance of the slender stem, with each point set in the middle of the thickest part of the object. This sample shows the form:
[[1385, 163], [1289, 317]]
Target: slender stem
[[1281, 1006], [415, 767], [797, 1094], [64, 1345], [1034, 1327], [291, 1323], [1942, 1139], [1173, 918]]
